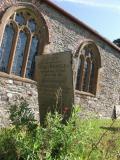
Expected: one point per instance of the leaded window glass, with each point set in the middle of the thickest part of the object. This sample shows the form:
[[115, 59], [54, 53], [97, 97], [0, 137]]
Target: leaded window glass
[[6, 46], [32, 25], [19, 18], [92, 76], [87, 70], [31, 58], [19, 54], [85, 80], [80, 73], [20, 43]]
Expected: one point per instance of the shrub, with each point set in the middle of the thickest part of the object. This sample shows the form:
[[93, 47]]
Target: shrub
[[8, 149], [22, 116], [75, 140]]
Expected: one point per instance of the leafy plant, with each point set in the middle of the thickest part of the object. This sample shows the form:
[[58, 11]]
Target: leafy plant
[[21, 116], [77, 139]]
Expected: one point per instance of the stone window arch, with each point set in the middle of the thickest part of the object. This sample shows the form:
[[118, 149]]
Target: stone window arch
[[89, 62], [24, 34]]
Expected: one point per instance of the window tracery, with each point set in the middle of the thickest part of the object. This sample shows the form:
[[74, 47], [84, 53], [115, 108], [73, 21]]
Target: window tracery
[[87, 73], [23, 38]]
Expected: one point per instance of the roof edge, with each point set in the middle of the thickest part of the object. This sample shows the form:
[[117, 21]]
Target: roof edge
[[77, 21]]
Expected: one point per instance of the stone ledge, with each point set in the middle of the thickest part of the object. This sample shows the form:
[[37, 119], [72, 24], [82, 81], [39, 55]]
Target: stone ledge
[[17, 78], [84, 93]]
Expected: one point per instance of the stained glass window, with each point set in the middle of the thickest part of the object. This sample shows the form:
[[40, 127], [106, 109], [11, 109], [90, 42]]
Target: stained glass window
[[31, 58], [6, 47], [79, 73], [19, 18], [32, 25], [20, 44], [19, 54], [87, 71], [85, 80], [92, 76]]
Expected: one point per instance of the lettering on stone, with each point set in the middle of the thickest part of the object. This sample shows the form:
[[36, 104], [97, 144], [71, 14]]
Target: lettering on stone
[[55, 84]]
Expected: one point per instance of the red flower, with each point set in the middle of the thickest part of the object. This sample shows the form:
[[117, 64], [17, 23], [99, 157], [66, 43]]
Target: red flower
[[65, 110]]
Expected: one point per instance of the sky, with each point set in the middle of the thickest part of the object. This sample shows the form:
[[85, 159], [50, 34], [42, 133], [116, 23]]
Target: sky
[[101, 15]]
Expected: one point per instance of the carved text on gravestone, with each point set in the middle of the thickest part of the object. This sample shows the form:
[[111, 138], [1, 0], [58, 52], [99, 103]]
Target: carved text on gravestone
[[55, 83]]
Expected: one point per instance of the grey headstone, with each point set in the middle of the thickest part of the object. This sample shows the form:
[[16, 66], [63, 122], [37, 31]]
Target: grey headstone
[[55, 84], [117, 111]]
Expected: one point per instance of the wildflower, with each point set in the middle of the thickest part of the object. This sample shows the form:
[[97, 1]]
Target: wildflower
[[65, 110]]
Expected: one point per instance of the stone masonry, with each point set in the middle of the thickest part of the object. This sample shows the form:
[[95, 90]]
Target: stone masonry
[[65, 35], [13, 92]]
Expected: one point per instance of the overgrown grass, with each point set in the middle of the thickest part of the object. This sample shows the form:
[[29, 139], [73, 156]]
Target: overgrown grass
[[91, 139]]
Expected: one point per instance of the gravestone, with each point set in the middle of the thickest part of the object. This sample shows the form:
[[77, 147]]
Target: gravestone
[[55, 84], [117, 107]]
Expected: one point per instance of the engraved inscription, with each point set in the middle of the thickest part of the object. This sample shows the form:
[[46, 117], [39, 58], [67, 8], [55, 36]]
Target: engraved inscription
[[54, 74]]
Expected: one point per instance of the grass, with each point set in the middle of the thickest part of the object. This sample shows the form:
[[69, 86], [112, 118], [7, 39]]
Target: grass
[[103, 141], [91, 139]]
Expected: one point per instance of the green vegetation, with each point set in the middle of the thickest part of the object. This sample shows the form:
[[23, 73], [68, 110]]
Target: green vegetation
[[91, 139]]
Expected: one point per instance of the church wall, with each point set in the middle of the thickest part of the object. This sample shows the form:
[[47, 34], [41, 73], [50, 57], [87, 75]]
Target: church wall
[[65, 35], [13, 92]]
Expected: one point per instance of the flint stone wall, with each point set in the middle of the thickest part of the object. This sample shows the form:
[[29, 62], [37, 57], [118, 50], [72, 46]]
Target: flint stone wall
[[13, 92], [65, 35]]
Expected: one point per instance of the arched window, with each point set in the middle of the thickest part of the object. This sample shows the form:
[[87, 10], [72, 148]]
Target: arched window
[[88, 65], [24, 36]]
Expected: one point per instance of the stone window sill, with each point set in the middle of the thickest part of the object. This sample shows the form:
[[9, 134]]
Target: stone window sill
[[84, 93], [17, 78]]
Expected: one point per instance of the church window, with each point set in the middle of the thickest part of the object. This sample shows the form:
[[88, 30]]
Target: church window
[[6, 46], [87, 73], [19, 54], [24, 37]]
